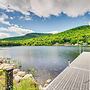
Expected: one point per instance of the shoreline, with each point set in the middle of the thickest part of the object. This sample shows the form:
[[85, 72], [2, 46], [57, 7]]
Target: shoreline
[[19, 75], [48, 46]]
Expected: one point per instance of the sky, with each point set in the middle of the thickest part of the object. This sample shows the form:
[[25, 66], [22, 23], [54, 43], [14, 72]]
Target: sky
[[19, 17]]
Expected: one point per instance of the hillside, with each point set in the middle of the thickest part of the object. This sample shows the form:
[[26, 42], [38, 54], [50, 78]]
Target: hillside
[[27, 36], [76, 35]]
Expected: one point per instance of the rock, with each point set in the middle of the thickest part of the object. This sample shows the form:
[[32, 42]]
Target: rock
[[27, 76], [45, 85], [17, 78], [21, 73], [40, 87], [8, 67], [5, 66], [14, 66], [15, 71], [76, 44], [1, 61], [1, 66], [48, 81]]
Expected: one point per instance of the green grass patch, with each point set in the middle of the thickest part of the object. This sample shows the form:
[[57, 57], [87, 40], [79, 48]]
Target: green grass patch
[[27, 84]]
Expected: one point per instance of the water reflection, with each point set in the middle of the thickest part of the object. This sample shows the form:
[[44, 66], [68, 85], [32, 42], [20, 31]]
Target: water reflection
[[49, 61]]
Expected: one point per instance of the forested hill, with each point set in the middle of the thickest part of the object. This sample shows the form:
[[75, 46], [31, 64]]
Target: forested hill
[[27, 36], [73, 36]]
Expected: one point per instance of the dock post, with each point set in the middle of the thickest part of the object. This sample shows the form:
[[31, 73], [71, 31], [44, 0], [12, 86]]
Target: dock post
[[9, 79], [68, 62], [80, 49]]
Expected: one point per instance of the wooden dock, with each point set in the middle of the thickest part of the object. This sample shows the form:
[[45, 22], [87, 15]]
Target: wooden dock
[[74, 77]]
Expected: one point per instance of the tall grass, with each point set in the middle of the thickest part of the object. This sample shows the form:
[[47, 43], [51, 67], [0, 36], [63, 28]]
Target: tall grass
[[27, 84]]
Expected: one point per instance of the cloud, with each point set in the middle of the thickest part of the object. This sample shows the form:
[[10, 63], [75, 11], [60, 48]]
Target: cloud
[[10, 10], [53, 32], [4, 19], [45, 8], [4, 35], [13, 31], [17, 5], [11, 18], [18, 30], [88, 23], [26, 17]]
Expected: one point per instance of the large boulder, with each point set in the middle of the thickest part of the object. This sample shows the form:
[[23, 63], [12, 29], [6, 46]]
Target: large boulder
[[5, 66], [1, 66], [14, 66], [1, 61], [48, 81], [27, 76], [15, 71], [17, 78], [45, 85], [21, 73]]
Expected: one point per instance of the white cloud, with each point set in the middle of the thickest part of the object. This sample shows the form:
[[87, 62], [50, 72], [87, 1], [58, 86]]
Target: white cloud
[[18, 30], [4, 19], [46, 8], [53, 32], [4, 35], [11, 18], [13, 31], [88, 23], [10, 10], [26, 17], [17, 5]]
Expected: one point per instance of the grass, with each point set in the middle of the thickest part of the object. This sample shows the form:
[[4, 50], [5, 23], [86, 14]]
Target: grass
[[27, 84], [2, 80]]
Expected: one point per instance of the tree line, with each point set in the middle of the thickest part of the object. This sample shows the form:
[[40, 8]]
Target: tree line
[[73, 36]]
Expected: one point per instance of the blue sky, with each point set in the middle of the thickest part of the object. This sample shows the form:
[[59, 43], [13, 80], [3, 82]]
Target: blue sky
[[20, 17]]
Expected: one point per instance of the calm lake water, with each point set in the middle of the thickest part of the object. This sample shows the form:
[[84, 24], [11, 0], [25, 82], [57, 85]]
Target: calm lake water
[[48, 61]]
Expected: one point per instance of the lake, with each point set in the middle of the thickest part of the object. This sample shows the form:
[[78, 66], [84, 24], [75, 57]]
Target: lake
[[48, 61]]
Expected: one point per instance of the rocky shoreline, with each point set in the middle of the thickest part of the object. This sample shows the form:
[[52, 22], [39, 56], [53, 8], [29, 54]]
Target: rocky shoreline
[[18, 74]]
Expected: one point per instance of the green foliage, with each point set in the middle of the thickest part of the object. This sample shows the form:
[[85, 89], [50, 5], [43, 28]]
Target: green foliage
[[27, 36], [2, 80], [27, 84], [9, 43], [72, 36], [1, 72]]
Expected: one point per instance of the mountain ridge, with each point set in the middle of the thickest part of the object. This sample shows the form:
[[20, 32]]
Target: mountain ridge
[[72, 36], [27, 36]]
